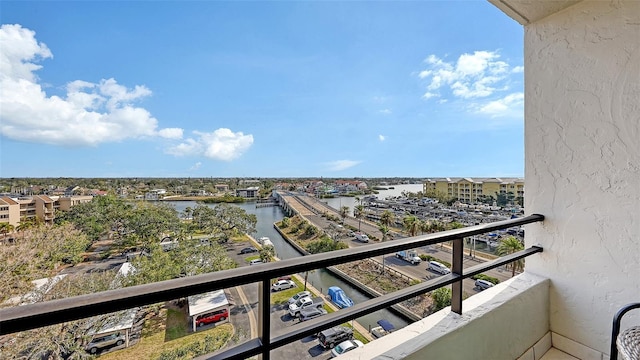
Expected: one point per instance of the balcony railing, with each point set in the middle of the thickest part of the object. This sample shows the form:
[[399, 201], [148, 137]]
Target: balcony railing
[[38, 315]]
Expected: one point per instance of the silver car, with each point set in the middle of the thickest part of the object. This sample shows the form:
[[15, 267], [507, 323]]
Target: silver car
[[99, 343]]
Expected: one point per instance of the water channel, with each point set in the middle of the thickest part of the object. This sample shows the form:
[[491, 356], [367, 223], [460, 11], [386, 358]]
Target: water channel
[[321, 279]]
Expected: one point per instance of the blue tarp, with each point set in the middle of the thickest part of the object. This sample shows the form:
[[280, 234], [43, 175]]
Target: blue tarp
[[386, 325], [339, 298]]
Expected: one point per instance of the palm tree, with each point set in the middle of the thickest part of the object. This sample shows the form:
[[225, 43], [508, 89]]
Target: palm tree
[[384, 230], [507, 246], [5, 228], [388, 218], [412, 224], [344, 211], [358, 213]]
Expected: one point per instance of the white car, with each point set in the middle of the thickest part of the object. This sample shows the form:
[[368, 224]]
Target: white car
[[439, 268], [299, 295], [483, 284], [346, 346], [282, 285]]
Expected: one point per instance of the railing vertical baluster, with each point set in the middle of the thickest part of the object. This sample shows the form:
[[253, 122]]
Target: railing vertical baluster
[[264, 307], [456, 268]]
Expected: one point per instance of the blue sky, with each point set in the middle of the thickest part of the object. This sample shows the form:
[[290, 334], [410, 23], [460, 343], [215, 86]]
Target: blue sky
[[260, 89]]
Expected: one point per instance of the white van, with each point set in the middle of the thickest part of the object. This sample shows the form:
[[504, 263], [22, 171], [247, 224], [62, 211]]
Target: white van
[[439, 268], [362, 237]]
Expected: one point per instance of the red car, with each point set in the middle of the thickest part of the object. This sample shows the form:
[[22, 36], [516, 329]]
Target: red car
[[212, 317]]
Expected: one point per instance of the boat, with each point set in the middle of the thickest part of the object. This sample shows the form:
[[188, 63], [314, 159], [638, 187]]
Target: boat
[[385, 328], [339, 298], [263, 239]]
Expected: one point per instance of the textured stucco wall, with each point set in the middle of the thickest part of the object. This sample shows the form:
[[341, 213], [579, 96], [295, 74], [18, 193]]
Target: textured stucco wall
[[582, 151]]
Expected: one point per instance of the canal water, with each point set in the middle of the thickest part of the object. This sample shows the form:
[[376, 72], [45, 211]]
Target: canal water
[[320, 279]]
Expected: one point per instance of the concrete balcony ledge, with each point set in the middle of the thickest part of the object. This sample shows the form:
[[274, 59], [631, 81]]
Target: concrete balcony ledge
[[502, 322]]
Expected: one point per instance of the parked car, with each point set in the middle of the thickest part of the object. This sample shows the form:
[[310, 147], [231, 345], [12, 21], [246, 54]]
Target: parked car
[[248, 250], [311, 313], [102, 342], [212, 317], [282, 285], [439, 268], [330, 337], [362, 237], [351, 233], [345, 346], [255, 262], [483, 284], [305, 303], [300, 295]]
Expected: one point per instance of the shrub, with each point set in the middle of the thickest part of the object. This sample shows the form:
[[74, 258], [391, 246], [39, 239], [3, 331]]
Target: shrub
[[324, 244]]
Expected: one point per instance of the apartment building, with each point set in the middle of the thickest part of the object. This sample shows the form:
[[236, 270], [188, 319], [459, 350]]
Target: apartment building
[[468, 190], [41, 207]]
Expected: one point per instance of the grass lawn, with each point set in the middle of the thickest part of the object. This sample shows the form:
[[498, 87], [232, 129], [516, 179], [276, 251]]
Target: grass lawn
[[169, 332]]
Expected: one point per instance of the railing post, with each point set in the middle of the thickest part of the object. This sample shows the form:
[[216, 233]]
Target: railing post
[[264, 322], [456, 268]]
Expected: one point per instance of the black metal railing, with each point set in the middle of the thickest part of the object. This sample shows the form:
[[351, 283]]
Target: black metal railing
[[42, 314]]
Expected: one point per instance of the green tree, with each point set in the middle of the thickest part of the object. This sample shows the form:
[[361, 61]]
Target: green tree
[[189, 258], [310, 231], [6, 228], [97, 217], [267, 253], [384, 230], [344, 212], [358, 213], [388, 218], [441, 298], [224, 218], [507, 246], [148, 223], [412, 224]]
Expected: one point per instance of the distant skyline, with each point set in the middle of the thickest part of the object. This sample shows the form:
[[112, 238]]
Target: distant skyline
[[334, 89]]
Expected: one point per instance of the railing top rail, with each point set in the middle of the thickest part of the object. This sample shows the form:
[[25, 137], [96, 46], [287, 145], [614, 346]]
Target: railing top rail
[[36, 315]]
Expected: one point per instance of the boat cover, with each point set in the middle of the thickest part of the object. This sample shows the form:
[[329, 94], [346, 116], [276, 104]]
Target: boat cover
[[386, 325], [339, 298]]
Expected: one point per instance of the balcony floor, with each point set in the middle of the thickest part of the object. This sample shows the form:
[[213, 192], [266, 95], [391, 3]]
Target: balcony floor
[[555, 354]]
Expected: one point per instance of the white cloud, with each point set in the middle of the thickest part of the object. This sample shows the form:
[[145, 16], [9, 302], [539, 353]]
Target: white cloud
[[171, 133], [222, 144], [429, 95], [385, 111], [339, 165], [517, 69], [510, 105], [87, 115], [471, 76], [382, 138], [195, 166]]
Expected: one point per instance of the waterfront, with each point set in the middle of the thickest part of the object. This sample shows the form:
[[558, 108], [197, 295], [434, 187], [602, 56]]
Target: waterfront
[[339, 202], [321, 279]]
